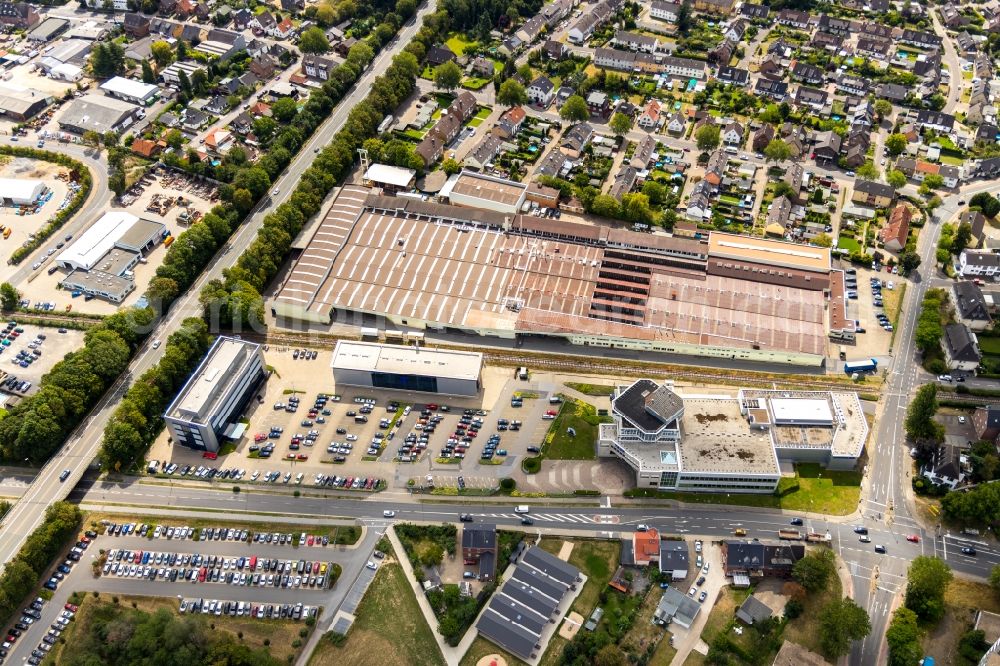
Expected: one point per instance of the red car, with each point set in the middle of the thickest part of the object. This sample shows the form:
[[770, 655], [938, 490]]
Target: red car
[[432, 407], [210, 455], [913, 538], [309, 541], [550, 412], [71, 607]]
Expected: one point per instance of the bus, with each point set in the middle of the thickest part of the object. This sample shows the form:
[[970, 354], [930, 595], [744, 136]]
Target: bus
[[868, 365]]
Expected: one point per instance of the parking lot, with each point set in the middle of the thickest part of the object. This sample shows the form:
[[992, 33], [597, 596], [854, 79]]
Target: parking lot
[[27, 352], [866, 308], [362, 439]]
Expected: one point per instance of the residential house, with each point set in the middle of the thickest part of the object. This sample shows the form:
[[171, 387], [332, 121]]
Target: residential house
[[870, 193], [318, 67], [736, 30], [970, 305], [554, 12], [732, 134], [856, 152], [977, 222], [217, 105], [540, 91], [576, 139], [873, 48], [952, 17], [733, 76], [263, 23], [599, 14], [531, 29], [794, 177], [649, 119], [167, 6], [966, 44], [438, 55], [779, 212], [961, 348], [723, 53], [447, 127], [987, 133], [795, 136], [624, 182], [293, 5], [745, 559], [753, 610], [947, 467], [643, 153], [975, 263], [510, 46], [135, 25], [598, 103], [263, 67], [720, 7], [772, 67], [699, 204], [875, 30], [510, 123], [776, 90], [147, 147], [834, 25], [987, 168], [925, 40], [827, 148], [554, 50], [893, 92], [634, 41], [813, 98], [754, 12], [810, 74], [242, 19], [543, 195], [853, 85], [927, 63], [479, 546], [664, 10], [484, 152], [677, 124], [794, 18], [897, 229], [986, 423], [826, 41], [715, 170], [762, 137], [920, 169], [283, 30], [219, 141]]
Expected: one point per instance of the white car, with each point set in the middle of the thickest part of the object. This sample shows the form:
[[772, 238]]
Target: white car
[[371, 565], [275, 192], [389, 514]]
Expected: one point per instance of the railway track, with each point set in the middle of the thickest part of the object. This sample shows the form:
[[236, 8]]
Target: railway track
[[581, 363]]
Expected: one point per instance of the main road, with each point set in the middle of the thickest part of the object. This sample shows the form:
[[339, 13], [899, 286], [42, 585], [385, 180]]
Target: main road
[[82, 446]]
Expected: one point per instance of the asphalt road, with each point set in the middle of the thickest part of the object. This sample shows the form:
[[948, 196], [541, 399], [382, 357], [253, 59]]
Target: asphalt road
[[82, 446]]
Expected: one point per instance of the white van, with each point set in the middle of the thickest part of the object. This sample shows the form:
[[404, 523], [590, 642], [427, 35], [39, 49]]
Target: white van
[[521, 508]]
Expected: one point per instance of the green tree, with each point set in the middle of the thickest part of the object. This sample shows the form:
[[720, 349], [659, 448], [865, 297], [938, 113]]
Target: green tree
[[777, 151], [243, 200], [883, 109], [620, 124], [655, 191], [116, 182], [284, 109], [684, 17], [920, 424], [962, 238], [822, 240], [903, 638], [91, 138], [147, 73], [995, 578], [313, 40], [896, 143], [610, 655], [635, 209], [988, 204], [813, 572], [868, 171], [895, 178], [840, 623], [174, 139], [933, 181], [605, 206], [926, 581], [511, 93], [447, 76], [450, 166], [9, 297], [708, 137], [574, 109], [909, 261]]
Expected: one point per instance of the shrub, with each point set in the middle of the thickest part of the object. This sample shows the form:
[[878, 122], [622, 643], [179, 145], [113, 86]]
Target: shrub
[[507, 484], [531, 465]]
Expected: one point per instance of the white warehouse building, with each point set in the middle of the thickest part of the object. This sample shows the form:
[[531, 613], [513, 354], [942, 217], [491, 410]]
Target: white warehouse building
[[477, 190], [115, 229], [404, 368], [20, 192], [131, 90]]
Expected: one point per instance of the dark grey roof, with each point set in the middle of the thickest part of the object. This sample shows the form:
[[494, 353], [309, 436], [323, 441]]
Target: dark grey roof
[[531, 613], [648, 406], [509, 636], [673, 556], [970, 302], [627, 557], [547, 587], [734, 74], [551, 565], [871, 187], [961, 345], [753, 610], [487, 565], [479, 535]]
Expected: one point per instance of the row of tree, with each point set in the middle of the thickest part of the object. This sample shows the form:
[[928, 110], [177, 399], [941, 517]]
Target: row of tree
[[926, 582], [841, 621], [235, 299], [37, 426], [138, 419], [20, 578], [930, 326]]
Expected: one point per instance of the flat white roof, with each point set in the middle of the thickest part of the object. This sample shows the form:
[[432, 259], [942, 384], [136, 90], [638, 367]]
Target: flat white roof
[[97, 240], [402, 360], [20, 190], [801, 410], [119, 85], [226, 358], [384, 173]]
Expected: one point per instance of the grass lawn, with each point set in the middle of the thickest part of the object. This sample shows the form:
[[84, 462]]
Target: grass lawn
[[962, 599], [804, 629], [723, 612], [475, 122], [560, 444], [989, 345], [595, 389], [473, 83], [892, 300], [389, 628], [953, 161], [280, 633], [730, 199], [415, 135], [812, 489], [484, 112], [848, 243], [482, 647], [458, 44]]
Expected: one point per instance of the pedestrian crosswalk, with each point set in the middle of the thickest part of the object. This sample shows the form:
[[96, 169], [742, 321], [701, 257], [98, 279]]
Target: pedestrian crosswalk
[[587, 519]]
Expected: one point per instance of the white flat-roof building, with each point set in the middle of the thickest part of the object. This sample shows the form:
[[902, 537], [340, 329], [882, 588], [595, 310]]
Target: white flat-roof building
[[131, 90], [405, 368], [477, 190], [113, 229], [390, 178], [213, 399], [18, 192], [723, 443]]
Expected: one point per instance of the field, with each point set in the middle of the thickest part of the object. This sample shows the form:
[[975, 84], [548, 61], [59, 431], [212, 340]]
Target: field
[[560, 444], [458, 44], [280, 634], [389, 629], [962, 599], [812, 489]]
